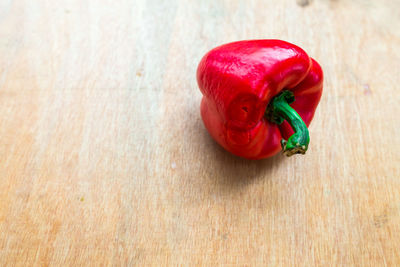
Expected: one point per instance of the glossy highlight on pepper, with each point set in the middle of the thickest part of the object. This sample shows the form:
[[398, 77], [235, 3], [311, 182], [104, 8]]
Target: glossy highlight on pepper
[[259, 96]]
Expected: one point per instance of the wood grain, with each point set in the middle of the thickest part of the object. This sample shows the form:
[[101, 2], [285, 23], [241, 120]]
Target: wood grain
[[104, 160]]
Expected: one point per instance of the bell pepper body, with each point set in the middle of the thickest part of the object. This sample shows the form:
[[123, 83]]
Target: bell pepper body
[[238, 81]]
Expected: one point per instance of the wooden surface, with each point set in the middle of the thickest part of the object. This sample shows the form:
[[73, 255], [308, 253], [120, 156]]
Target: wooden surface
[[104, 159]]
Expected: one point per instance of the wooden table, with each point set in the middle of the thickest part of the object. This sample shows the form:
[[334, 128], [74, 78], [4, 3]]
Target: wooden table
[[104, 159]]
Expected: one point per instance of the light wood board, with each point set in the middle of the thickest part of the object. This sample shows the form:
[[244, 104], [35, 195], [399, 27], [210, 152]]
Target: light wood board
[[104, 160]]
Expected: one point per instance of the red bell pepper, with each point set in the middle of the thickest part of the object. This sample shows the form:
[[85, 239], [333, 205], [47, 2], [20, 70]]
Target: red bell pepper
[[259, 96]]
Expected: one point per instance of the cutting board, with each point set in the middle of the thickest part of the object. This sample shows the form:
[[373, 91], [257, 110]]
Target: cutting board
[[104, 159]]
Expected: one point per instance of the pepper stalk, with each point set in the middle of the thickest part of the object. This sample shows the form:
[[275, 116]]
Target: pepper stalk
[[279, 110]]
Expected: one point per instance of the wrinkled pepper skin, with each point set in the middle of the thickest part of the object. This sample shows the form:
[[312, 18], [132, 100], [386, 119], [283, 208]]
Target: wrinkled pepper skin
[[238, 80]]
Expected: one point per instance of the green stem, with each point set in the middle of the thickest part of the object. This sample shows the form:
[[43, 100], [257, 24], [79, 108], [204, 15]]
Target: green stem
[[280, 110]]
